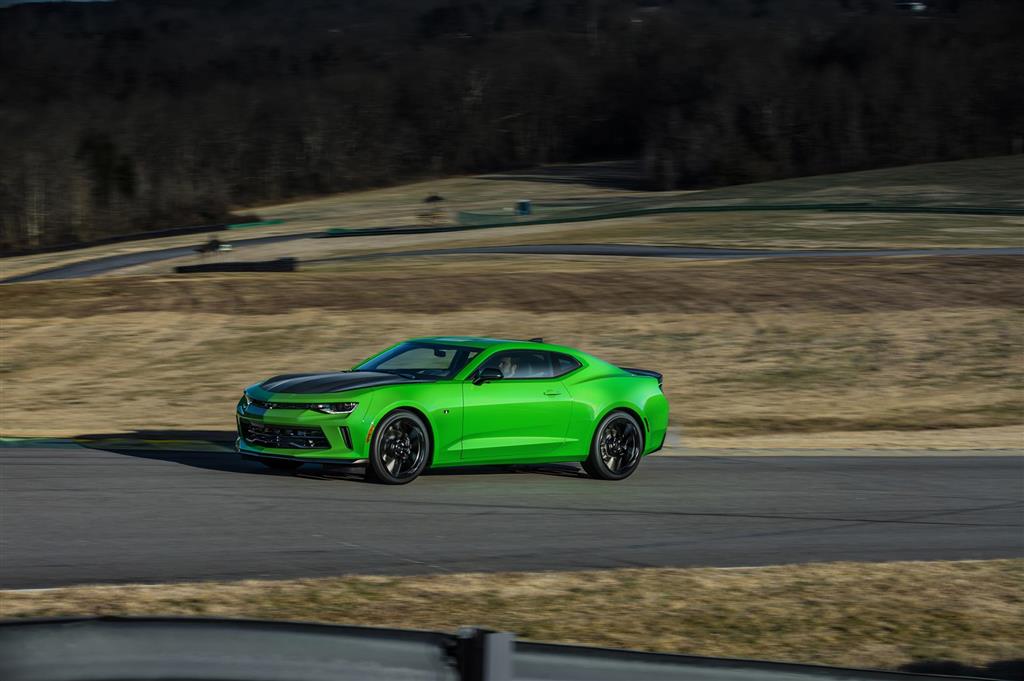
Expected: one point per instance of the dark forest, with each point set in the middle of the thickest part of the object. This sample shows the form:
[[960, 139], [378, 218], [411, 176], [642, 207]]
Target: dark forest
[[129, 116]]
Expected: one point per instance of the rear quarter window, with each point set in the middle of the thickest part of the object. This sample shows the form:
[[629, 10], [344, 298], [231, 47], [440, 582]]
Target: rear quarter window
[[563, 364]]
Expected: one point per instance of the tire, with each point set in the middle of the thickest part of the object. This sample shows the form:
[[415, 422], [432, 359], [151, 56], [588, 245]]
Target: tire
[[617, 447], [281, 465], [400, 450]]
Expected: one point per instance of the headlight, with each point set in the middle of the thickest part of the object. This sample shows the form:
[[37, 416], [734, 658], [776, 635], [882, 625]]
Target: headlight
[[335, 407]]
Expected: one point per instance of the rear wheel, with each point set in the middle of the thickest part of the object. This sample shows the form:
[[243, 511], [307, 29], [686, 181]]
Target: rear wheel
[[282, 465], [616, 449], [400, 450]]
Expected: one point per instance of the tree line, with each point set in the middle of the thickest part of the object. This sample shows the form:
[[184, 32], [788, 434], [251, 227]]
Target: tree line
[[133, 115]]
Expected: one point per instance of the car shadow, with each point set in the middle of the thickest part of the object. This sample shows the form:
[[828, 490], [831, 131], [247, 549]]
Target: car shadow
[[207, 449], [214, 450], [562, 470], [355, 472]]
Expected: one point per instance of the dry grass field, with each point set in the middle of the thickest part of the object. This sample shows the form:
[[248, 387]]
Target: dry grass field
[[748, 348], [974, 182], [852, 614]]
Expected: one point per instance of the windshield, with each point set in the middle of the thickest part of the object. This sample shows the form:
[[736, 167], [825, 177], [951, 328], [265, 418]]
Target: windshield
[[422, 360]]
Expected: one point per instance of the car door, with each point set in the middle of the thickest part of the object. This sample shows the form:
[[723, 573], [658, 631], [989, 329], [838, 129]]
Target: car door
[[521, 417]]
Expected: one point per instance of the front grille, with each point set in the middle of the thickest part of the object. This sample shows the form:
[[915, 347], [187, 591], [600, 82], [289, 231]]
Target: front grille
[[282, 437], [278, 405]]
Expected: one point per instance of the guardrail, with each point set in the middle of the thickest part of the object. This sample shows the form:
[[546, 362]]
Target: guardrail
[[90, 649], [257, 223]]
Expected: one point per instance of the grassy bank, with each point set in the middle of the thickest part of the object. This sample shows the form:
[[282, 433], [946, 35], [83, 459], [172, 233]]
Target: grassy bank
[[864, 615], [747, 348], [979, 183]]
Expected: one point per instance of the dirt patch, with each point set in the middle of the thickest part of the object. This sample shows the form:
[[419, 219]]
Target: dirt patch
[[861, 615]]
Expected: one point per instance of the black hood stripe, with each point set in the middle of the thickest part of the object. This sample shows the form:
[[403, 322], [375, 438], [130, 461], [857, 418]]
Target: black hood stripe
[[332, 382]]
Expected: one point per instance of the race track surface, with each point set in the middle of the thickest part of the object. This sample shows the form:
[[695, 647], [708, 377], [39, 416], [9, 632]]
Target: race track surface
[[74, 514], [656, 251], [112, 263]]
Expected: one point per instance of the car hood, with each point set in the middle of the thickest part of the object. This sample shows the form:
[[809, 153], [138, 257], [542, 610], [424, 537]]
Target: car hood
[[335, 381]]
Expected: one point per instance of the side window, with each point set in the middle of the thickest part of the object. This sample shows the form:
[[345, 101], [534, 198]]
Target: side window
[[531, 364], [518, 364], [563, 364]]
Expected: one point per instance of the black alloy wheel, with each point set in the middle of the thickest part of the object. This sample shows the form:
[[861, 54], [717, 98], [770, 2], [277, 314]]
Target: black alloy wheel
[[617, 447], [401, 449]]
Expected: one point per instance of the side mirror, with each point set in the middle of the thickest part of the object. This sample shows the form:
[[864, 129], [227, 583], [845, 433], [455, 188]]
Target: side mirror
[[488, 374]]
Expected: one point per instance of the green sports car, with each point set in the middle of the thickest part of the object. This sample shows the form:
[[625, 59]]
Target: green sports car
[[436, 402]]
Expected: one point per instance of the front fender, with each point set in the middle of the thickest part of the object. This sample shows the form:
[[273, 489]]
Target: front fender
[[438, 404]]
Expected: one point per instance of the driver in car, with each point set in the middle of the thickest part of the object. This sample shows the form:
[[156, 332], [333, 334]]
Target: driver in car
[[508, 366]]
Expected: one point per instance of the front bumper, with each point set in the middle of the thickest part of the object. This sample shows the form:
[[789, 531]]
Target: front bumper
[[249, 455], [299, 435]]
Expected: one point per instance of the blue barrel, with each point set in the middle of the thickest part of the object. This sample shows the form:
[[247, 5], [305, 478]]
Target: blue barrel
[[524, 207]]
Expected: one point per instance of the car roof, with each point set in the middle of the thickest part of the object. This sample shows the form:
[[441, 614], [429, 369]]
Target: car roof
[[479, 342]]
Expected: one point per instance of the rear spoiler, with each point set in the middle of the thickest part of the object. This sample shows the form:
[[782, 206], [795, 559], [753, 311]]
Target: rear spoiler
[[644, 372]]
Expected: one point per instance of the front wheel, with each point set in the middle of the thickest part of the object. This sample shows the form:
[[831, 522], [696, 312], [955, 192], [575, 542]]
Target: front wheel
[[400, 450], [616, 449]]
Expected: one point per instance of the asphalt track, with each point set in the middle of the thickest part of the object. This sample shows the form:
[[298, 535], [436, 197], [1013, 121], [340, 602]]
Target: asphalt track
[[111, 514], [112, 263], [656, 251]]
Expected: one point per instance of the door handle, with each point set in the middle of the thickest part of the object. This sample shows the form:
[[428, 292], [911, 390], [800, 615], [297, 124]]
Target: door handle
[[551, 392]]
